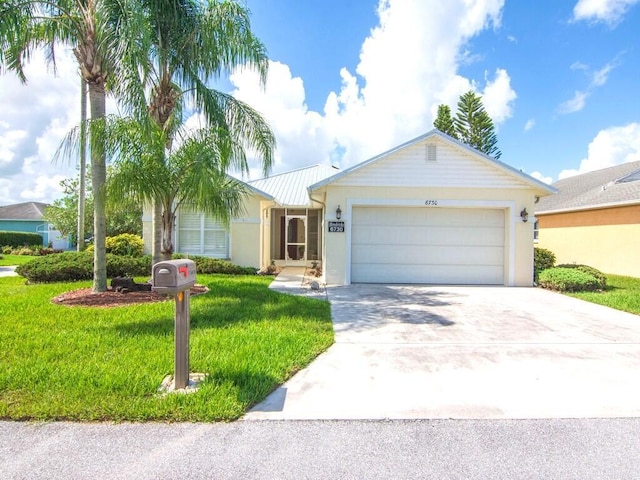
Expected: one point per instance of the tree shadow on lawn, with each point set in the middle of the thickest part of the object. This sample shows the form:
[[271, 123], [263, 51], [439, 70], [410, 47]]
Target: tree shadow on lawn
[[224, 306]]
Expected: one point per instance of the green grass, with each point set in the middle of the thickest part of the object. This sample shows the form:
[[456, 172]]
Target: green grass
[[8, 260], [622, 293], [94, 364]]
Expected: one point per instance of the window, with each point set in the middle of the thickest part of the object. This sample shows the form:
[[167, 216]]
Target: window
[[201, 234], [535, 231]]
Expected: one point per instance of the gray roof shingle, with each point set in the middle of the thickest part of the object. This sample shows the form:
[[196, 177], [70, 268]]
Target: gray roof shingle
[[23, 211], [615, 185]]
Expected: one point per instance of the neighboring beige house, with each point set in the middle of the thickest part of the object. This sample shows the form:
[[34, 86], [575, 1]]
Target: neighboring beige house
[[595, 220], [432, 210]]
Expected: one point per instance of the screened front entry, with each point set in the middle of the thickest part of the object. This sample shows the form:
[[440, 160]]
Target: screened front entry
[[296, 235]]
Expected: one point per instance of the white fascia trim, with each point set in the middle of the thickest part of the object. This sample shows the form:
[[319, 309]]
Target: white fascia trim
[[513, 217], [591, 207]]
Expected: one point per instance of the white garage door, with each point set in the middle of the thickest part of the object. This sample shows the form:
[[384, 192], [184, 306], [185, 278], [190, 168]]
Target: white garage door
[[460, 246]]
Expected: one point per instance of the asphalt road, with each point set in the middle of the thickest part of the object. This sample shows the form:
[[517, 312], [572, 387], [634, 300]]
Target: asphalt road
[[400, 449]]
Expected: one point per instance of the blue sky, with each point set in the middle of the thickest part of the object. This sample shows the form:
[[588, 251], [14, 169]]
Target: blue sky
[[350, 79]]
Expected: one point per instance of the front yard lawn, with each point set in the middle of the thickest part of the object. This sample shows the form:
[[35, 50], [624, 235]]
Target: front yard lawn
[[94, 364], [622, 293], [9, 260]]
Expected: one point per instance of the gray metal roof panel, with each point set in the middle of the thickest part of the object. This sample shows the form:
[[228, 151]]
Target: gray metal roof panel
[[290, 188]]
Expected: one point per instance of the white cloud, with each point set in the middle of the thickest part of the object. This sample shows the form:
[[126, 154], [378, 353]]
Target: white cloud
[[498, 97], [530, 124], [610, 12], [541, 177], [611, 146], [391, 97], [43, 188], [601, 76], [598, 78], [575, 104], [33, 119]]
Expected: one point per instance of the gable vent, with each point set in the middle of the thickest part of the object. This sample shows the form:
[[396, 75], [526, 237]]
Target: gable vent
[[431, 152]]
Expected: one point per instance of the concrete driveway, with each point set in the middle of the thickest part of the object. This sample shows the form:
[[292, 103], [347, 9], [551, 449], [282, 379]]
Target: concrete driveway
[[466, 352]]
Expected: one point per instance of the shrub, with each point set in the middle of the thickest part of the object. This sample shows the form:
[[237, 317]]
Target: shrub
[[7, 249], [542, 260], [216, 265], [125, 244], [75, 266], [18, 239], [601, 277], [568, 280]]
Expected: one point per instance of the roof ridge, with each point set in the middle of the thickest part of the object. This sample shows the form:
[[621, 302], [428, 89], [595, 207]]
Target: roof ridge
[[315, 165]]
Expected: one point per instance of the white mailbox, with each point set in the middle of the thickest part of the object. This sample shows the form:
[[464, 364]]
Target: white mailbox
[[173, 276]]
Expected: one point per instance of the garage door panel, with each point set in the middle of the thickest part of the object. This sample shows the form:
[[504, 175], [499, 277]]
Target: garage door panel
[[421, 235], [427, 245], [476, 275], [429, 256], [433, 216]]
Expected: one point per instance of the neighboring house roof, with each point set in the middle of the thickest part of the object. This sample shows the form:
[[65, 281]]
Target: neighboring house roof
[[613, 186], [23, 211], [437, 133], [290, 189]]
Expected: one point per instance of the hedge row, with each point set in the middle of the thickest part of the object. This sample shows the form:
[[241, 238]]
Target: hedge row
[[19, 239], [76, 266], [215, 265]]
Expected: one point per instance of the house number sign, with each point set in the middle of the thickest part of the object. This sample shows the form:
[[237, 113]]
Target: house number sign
[[431, 203], [336, 227]]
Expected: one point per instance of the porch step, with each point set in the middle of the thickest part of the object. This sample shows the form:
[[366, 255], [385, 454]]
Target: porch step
[[292, 280]]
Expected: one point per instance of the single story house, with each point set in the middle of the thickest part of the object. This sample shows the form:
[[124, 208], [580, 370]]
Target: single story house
[[432, 210], [595, 220], [27, 217]]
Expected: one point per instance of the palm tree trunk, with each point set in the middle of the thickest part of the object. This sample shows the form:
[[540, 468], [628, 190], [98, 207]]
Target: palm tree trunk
[[97, 100], [156, 222], [83, 162], [168, 219]]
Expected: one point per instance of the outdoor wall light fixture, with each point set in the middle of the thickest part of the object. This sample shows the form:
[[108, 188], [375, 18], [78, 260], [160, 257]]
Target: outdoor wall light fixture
[[524, 215], [338, 213]]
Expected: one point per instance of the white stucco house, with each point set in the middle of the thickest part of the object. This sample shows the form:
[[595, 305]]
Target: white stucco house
[[432, 210]]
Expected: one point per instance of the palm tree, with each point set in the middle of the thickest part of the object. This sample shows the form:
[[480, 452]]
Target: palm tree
[[192, 172], [101, 33], [191, 44]]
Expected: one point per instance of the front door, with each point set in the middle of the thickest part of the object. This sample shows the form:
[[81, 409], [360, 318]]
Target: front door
[[296, 247]]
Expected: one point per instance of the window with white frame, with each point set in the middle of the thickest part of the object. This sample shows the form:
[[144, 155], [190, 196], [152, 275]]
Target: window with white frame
[[201, 234]]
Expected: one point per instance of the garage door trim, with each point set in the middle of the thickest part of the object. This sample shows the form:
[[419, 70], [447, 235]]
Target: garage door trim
[[511, 220]]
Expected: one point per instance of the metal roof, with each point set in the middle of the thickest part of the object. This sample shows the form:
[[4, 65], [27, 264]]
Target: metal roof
[[290, 189], [437, 133], [613, 186], [23, 211]]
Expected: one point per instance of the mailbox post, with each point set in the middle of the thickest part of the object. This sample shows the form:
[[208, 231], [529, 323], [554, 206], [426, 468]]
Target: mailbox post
[[176, 277]]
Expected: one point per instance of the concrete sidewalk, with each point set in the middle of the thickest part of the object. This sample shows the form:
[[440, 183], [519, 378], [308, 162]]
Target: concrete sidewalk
[[8, 271], [297, 281]]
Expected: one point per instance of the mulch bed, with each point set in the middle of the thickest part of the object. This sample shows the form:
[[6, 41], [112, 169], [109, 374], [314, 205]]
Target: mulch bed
[[84, 297]]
